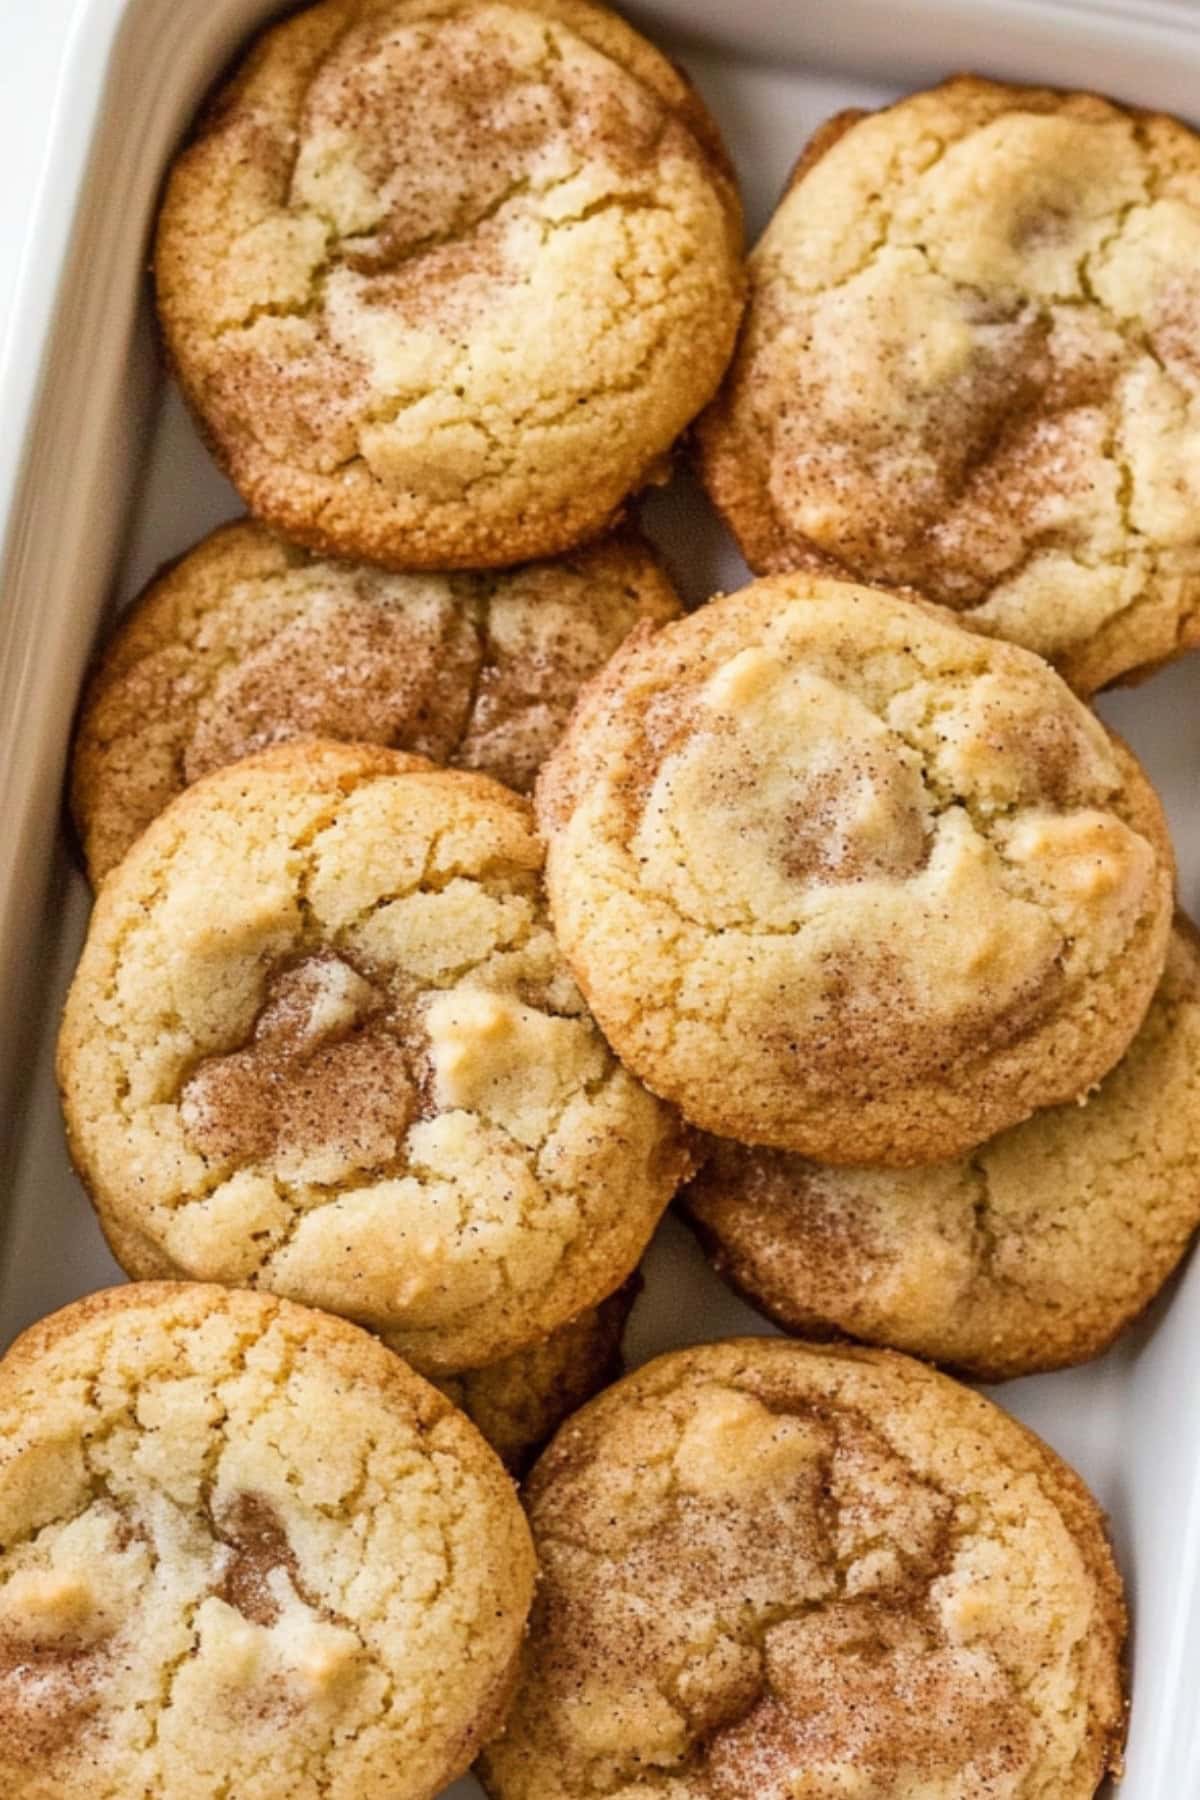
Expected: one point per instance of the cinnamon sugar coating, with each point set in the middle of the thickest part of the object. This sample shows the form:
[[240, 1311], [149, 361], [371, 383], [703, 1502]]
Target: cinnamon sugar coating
[[443, 280], [773, 1572], [321, 1041], [842, 877], [971, 364], [248, 641], [1030, 1254], [244, 1550]]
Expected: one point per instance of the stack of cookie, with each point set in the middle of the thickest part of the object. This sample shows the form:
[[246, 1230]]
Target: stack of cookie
[[837, 913]]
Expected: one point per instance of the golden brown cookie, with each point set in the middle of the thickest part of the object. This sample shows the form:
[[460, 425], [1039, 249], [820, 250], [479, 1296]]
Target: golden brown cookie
[[444, 282], [971, 364], [321, 1041], [244, 1551], [248, 641], [839, 876], [1030, 1254], [774, 1572], [518, 1404]]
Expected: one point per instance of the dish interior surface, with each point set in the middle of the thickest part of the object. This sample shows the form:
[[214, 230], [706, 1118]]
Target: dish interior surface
[[1128, 1422]]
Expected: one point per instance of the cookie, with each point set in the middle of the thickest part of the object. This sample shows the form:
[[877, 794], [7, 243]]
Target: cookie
[[774, 1572], [246, 1551], [443, 283], [518, 1404], [248, 641], [971, 364], [321, 1042], [842, 877], [1030, 1254]]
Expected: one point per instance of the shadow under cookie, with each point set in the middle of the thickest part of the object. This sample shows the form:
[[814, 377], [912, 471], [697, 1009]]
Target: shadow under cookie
[[519, 1403]]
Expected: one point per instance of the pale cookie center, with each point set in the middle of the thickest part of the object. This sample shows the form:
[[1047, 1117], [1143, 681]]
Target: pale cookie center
[[323, 1086], [1020, 204], [786, 785], [930, 859], [388, 160], [74, 1633]]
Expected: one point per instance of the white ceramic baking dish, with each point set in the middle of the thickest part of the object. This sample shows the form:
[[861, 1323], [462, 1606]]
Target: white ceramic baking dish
[[102, 478]]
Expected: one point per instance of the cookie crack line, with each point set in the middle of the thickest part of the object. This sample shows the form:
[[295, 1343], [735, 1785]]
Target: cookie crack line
[[172, 1670], [546, 69], [985, 1243], [459, 233], [534, 418], [318, 1196], [340, 251], [781, 273], [751, 1629]]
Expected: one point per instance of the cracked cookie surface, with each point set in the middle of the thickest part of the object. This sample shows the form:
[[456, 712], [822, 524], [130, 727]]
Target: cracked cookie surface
[[244, 1550], [248, 641], [1031, 1254], [321, 1041], [518, 1404], [772, 1572], [842, 877], [971, 364], [444, 279]]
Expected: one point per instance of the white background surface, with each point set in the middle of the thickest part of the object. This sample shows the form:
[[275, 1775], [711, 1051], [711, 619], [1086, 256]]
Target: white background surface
[[32, 40]]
